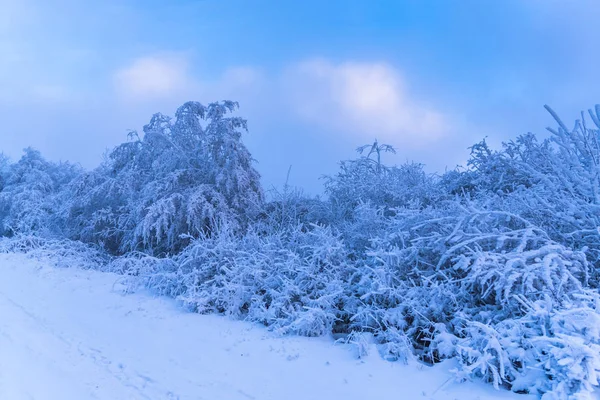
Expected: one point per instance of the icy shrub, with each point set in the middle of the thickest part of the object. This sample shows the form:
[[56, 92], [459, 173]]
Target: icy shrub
[[292, 282], [554, 183], [466, 283], [367, 180], [552, 349], [61, 253], [142, 270]]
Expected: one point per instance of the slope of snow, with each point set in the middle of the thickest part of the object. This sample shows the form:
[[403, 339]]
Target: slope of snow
[[70, 334]]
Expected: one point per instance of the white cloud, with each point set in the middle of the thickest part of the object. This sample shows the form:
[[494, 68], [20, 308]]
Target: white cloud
[[370, 100], [154, 78], [167, 80]]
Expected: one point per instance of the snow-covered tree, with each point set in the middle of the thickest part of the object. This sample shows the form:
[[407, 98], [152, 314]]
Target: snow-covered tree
[[183, 178]]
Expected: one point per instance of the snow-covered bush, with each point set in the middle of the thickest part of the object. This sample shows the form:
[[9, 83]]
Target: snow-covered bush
[[30, 195], [62, 253], [287, 208], [292, 282], [553, 349], [368, 180], [555, 183], [463, 279], [366, 192]]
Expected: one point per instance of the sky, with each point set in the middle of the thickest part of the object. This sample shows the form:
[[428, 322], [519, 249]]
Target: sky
[[315, 79]]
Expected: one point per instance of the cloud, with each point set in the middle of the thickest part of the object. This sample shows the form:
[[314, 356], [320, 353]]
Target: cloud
[[365, 100], [168, 80], [153, 78], [362, 98]]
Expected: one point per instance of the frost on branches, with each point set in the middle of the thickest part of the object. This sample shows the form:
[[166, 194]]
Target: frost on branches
[[495, 265], [185, 177]]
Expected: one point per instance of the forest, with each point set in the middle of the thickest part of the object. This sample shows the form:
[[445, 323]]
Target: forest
[[495, 264]]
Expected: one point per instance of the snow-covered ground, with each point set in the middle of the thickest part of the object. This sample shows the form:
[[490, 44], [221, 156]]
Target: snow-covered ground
[[71, 334]]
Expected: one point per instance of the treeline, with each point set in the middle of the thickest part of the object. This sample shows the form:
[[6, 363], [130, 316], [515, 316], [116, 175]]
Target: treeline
[[495, 264]]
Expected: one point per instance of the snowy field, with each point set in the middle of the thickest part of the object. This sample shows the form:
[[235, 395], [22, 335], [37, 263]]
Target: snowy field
[[71, 334]]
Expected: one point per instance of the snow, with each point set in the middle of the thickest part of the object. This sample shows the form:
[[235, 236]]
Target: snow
[[72, 334]]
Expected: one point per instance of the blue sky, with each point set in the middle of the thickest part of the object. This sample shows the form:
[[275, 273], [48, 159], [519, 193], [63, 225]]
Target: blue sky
[[316, 79]]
